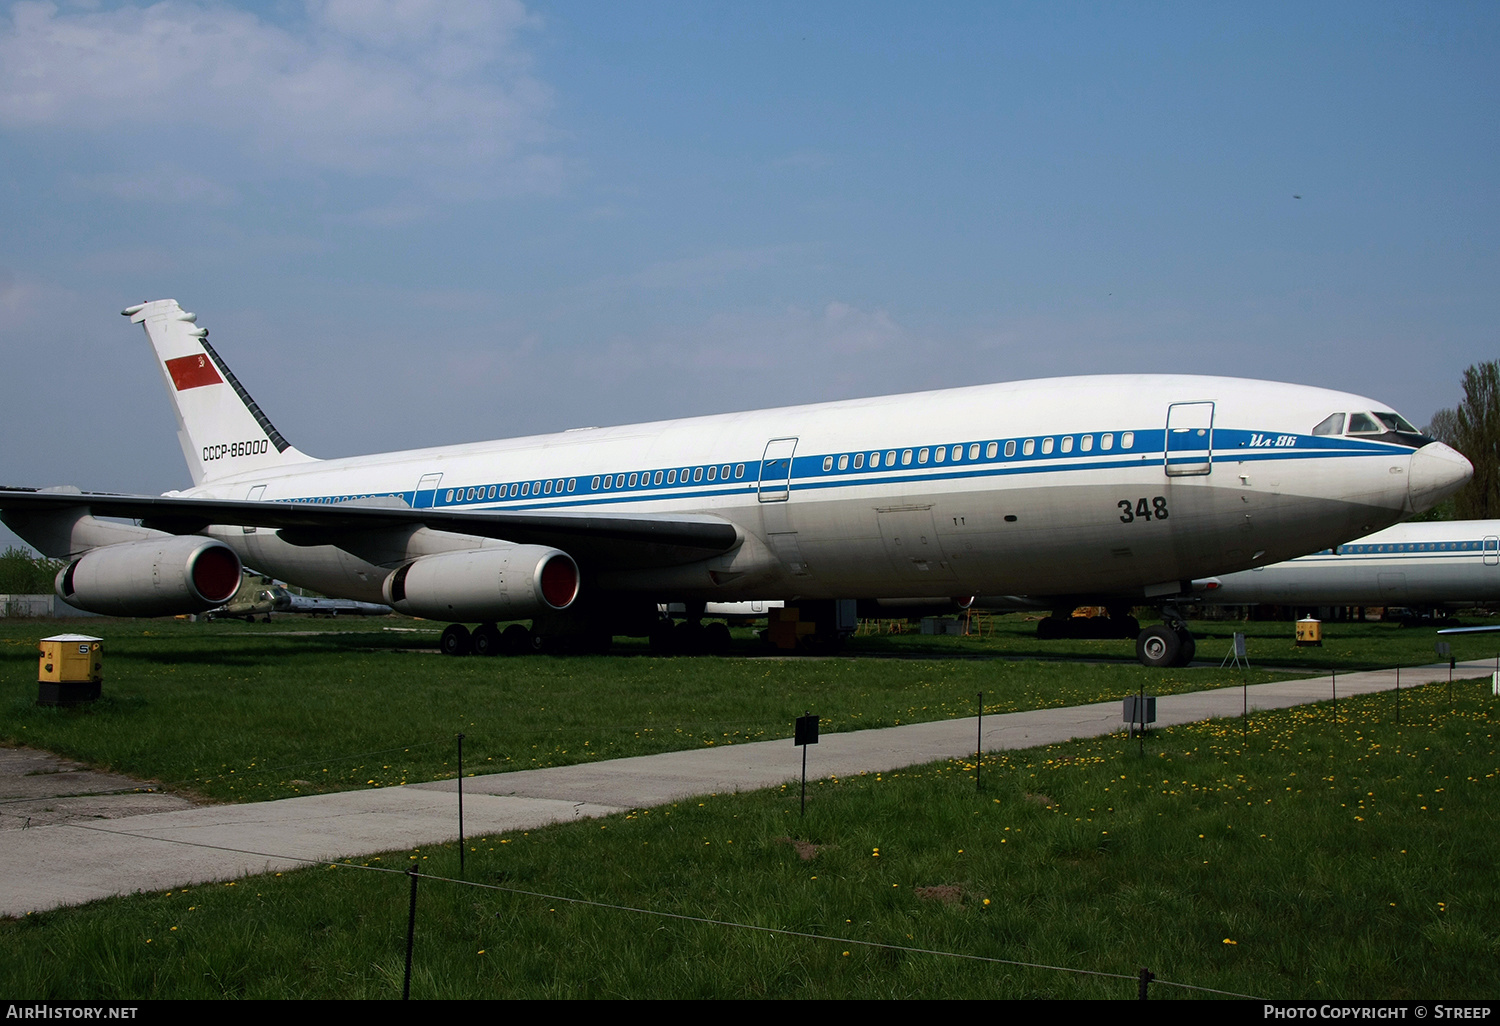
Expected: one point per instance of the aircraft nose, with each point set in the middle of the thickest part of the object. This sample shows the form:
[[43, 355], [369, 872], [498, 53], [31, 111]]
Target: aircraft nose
[[1436, 473]]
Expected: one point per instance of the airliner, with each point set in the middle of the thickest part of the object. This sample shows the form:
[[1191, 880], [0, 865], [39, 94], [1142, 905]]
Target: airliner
[[1118, 488], [1440, 563]]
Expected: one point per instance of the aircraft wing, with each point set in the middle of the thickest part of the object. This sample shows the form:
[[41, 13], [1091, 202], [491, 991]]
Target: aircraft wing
[[608, 541]]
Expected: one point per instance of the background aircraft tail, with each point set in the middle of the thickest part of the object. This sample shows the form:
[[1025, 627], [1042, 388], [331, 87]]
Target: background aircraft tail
[[222, 431]]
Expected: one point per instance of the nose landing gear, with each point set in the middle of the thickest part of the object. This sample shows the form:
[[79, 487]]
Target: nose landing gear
[[1167, 644]]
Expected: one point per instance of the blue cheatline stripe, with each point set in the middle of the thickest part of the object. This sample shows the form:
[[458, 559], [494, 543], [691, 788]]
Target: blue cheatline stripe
[[807, 471]]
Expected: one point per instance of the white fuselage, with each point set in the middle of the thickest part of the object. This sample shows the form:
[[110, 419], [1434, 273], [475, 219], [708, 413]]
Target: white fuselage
[[1070, 486], [1454, 562]]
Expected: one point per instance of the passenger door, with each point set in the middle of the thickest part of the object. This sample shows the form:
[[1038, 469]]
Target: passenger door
[[1189, 449]]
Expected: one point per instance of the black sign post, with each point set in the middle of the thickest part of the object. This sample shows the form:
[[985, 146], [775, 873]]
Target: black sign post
[[807, 734]]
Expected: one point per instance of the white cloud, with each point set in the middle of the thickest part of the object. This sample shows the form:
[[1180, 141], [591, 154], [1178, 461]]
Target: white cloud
[[425, 89]]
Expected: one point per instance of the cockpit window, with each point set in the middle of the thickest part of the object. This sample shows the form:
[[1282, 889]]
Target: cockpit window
[[1364, 424], [1332, 425], [1396, 422]]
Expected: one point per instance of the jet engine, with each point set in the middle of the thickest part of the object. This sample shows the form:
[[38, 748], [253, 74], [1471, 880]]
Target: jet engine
[[507, 582], [155, 577]]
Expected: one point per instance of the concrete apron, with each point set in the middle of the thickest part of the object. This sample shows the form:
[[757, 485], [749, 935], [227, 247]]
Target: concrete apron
[[81, 860]]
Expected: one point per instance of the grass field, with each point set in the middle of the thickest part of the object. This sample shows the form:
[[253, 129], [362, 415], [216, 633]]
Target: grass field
[[236, 712], [1314, 859]]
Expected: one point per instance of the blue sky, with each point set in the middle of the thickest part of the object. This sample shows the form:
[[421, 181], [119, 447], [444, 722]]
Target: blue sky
[[413, 223]]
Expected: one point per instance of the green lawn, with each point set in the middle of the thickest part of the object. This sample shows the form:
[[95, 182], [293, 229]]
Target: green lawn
[[237, 712], [1313, 860]]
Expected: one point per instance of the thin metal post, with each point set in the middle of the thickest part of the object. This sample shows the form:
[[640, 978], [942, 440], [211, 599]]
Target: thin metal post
[[411, 933], [979, 744], [461, 844], [804, 781]]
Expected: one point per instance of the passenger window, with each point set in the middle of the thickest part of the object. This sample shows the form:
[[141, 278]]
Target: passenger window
[[595, 483], [906, 457], [974, 451], [1127, 440], [656, 477], [859, 461], [572, 483], [548, 489], [1010, 448], [697, 473], [958, 451], [922, 457], [536, 488], [1046, 446], [1106, 442], [990, 450], [449, 496], [1067, 443], [713, 472], [874, 460], [633, 480], [1028, 447], [724, 472], [940, 454], [843, 462], [525, 488], [739, 470], [672, 476], [827, 462], [1086, 443]]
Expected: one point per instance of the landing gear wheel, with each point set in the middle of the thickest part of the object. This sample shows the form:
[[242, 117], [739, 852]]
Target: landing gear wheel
[[455, 640], [687, 637], [515, 640], [486, 640], [716, 639], [661, 638], [1189, 647], [1158, 646]]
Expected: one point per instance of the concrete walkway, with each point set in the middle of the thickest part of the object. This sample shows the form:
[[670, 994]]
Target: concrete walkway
[[80, 860]]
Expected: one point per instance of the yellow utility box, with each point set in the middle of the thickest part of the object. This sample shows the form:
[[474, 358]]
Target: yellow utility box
[[785, 629], [71, 669], [1309, 632]]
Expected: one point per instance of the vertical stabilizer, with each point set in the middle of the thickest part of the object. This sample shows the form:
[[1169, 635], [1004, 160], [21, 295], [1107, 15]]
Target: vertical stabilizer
[[222, 431]]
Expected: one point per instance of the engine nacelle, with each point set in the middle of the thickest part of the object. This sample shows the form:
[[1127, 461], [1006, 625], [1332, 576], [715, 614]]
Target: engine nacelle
[[156, 577], [506, 582]]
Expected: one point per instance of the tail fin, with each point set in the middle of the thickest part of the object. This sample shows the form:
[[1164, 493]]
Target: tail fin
[[222, 431]]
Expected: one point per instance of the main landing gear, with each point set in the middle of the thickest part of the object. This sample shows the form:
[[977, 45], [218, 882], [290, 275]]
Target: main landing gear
[[488, 640], [1063, 624], [690, 637]]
